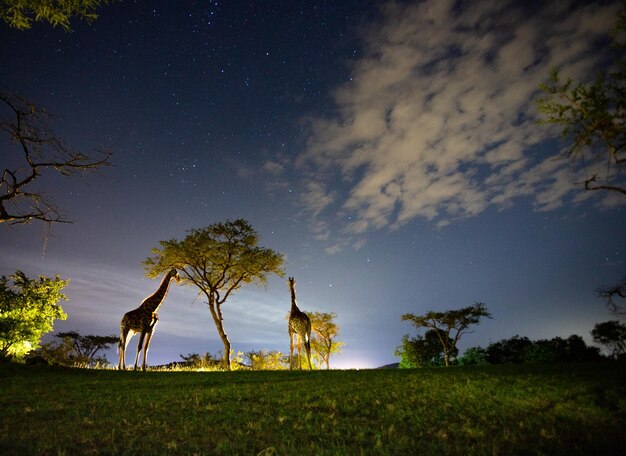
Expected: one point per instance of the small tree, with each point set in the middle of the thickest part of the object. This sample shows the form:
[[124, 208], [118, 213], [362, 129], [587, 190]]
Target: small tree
[[450, 325], [218, 260], [28, 310], [20, 14], [324, 330], [422, 351], [85, 348], [611, 334], [39, 150]]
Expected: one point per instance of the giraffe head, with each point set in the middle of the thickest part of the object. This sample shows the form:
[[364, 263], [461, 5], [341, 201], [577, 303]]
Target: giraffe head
[[292, 282], [173, 274]]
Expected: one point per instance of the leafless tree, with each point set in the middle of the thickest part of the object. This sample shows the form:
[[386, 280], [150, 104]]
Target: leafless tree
[[38, 150], [613, 293]]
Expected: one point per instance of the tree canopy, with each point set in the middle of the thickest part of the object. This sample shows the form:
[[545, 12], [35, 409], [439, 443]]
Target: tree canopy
[[450, 325], [218, 260], [593, 117], [28, 310], [20, 14]]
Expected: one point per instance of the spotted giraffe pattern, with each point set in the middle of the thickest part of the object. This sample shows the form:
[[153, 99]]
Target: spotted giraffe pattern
[[300, 326], [142, 321]]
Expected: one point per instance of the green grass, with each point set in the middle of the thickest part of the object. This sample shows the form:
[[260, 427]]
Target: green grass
[[515, 409]]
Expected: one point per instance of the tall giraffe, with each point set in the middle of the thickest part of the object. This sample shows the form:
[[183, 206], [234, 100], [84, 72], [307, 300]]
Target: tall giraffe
[[300, 325], [143, 320]]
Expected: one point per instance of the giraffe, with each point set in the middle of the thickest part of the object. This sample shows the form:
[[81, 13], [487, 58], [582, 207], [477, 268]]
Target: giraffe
[[300, 325], [143, 320]]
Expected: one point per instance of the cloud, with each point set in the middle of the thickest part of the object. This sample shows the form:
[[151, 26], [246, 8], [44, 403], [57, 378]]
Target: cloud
[[438, 121]]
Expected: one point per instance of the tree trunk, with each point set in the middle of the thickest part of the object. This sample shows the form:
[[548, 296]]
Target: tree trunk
[[216, 313]]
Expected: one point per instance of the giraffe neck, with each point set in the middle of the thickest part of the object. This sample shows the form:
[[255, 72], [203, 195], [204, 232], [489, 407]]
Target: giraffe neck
[[152, 303], [294, 306]]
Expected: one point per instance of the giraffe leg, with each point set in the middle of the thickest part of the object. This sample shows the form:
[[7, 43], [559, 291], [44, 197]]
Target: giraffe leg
[[299, 339], [142, 336], [125, 336], [290, 350], [307, 346], [146, 345]]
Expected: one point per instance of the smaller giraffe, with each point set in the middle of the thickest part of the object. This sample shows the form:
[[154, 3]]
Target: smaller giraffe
[[143, 320], [300, 325]]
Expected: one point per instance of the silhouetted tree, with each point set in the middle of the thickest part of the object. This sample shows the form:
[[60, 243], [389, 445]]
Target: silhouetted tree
[[473, 355], [611, 334], [593, 117], [523, 350], [508, 350], [75, 350], [450, 325], [218, 260], [38, 149], [85, 348], [20, 14], [615, 296]]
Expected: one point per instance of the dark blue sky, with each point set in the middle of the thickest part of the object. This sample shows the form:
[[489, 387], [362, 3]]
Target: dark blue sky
[[389, 150]]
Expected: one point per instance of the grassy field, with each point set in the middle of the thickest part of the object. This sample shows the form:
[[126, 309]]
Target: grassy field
[[513, 409]]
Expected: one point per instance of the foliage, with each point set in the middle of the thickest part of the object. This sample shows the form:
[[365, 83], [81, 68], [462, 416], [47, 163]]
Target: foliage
[[324, 330], [267, 360], [611, 334], [75, 350], [426, 351], [473, 356], [523, 350], [507, 409], [39, 150], [28, 310], [20, 14], [218, 260], [593, 119], [206, 362], [450, 325]]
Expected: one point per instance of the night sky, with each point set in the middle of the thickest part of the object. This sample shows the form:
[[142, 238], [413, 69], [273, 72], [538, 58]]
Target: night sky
[[389, 150]]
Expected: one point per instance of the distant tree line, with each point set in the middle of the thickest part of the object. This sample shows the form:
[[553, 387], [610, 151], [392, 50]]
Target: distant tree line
[[523, 350]]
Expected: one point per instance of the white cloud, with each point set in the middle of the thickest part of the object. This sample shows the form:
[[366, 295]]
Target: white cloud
[[438, 120]]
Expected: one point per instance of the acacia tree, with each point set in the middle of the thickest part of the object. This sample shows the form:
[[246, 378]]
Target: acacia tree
[[20, 14], [450, 325], [28, 310], [593, 117], [323, 332], [85, 348], [38, 149], [218, 260]]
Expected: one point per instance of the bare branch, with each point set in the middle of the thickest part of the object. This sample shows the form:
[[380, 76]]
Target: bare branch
[[40, 149]]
